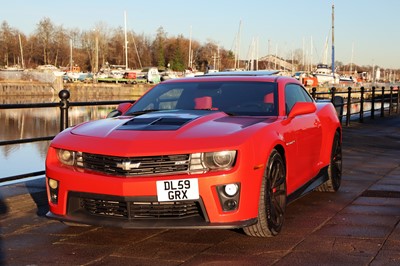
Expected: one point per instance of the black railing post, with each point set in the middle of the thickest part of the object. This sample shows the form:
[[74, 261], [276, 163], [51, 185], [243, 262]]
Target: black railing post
[[398, 99], [391, 100], [314, 93], [362, 105], [333, 91], [64, 106], [348, 112], [383, 102], [373, 103]]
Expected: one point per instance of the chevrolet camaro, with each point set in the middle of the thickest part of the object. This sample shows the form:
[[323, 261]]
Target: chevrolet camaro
[[225, 150]]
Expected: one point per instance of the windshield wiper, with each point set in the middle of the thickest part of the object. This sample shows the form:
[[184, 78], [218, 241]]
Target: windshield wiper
[[142, 112]]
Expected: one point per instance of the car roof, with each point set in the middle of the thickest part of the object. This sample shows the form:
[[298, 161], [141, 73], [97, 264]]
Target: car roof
[[259, 76], [244, 73]]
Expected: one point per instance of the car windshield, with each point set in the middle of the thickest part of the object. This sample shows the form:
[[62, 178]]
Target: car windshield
[[231, 97]]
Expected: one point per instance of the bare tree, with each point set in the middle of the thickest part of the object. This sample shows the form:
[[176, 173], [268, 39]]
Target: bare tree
[[9, 44], [44, 33]]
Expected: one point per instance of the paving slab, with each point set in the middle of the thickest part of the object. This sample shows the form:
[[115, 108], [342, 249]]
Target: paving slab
[[358, 225]]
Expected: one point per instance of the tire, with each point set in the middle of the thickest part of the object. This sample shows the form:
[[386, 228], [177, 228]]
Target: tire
[[335, 168], [272, 203]]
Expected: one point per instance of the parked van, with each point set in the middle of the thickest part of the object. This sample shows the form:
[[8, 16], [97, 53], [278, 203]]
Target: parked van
[[151, 74]]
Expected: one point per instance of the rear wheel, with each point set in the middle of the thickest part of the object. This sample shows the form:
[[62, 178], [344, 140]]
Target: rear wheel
[[272, 203], [335, 167]]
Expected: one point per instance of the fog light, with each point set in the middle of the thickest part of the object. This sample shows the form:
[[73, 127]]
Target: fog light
[[230, 204], [231, 189], [229, 196], [53, 198], [53, 184], [53, 190]]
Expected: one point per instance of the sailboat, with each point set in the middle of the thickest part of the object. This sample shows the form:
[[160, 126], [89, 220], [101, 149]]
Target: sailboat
[[323, 73]]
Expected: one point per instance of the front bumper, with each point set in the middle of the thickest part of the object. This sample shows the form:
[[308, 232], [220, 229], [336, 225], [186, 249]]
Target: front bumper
[[92, 198], [139, 212]]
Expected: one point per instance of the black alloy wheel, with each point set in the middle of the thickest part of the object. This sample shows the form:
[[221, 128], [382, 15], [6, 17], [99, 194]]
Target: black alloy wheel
[[272, 203]]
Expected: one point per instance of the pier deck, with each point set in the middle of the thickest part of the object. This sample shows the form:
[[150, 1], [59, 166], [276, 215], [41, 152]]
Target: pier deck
[[359, 225]]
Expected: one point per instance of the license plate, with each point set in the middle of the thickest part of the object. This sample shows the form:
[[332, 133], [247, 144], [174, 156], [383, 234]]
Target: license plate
[[174, 190]]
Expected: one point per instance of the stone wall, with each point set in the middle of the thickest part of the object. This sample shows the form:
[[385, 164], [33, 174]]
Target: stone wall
[[89, 90]]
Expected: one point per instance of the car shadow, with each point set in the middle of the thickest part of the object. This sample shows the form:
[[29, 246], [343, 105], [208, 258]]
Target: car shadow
[[3, 212], [37, 190]]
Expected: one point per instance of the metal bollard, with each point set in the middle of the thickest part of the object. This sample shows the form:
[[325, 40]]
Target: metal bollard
[[348, 111], [314, 93], [362, 105], [373, 103], [383, 102], [64, 106]]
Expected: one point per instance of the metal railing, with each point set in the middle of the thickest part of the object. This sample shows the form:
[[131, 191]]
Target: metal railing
[[388, 100], [64, 106], [381, 100]]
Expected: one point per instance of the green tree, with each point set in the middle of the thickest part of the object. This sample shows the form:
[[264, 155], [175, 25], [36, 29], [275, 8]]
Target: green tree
[[178, 63], [158, 47]]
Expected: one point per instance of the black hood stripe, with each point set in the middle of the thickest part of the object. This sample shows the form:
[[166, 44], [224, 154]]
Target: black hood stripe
[[163, 120]]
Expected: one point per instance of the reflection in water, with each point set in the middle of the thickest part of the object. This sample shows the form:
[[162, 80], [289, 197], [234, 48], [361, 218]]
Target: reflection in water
[[37, 122]]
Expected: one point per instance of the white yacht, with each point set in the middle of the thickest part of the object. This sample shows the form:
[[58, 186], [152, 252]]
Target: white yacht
[[325, 75]]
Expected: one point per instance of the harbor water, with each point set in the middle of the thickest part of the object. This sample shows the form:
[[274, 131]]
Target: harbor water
[[17, 159]]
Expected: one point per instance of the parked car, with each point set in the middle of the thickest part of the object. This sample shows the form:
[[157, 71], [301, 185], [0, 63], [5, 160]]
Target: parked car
[[225, 150]]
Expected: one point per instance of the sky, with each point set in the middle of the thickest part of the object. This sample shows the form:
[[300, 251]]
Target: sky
[[366, 32]]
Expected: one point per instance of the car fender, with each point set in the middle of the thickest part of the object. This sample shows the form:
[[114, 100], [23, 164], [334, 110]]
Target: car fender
[[330, 124]]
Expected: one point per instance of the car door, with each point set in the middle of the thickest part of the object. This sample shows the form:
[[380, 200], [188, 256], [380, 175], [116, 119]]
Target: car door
[[304, 139]]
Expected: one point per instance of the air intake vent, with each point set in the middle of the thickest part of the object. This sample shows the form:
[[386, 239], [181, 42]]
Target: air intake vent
[[159, 123]]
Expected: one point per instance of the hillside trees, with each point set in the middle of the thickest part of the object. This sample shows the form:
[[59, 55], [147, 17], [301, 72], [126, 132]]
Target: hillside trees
[[90, 49]]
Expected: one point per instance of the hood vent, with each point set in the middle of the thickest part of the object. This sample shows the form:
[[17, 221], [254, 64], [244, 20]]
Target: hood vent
[[155, 123]]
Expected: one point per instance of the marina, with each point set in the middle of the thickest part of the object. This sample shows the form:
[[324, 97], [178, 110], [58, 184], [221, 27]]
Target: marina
[[23, 123], [59, 69]]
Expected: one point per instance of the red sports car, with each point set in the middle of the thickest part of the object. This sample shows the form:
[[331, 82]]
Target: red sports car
[[213, 151]]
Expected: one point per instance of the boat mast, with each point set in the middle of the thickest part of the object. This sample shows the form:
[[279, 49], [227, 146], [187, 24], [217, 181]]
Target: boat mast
[[237, 56], [22, 51], [333, 41], [126, 44], [190, 49], [70, 55]]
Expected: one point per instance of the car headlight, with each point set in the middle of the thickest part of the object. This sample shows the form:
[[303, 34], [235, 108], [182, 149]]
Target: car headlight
[[68, 157], [219, 160]]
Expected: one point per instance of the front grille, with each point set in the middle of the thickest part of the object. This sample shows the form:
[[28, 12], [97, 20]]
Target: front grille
[[136, 166], [140, 209], [132, 208]]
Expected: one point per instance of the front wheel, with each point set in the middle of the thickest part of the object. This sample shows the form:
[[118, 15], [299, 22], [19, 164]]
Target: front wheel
[[272, 203]]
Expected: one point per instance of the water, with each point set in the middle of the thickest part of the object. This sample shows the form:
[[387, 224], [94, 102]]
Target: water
[[16, 124]]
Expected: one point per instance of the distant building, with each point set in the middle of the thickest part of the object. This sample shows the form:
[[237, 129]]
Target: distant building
[[274, 62]]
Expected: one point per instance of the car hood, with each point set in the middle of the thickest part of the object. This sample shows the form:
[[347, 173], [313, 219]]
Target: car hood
[[166, 131]]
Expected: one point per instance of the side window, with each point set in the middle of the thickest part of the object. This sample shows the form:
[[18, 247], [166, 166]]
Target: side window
[[293, 94]]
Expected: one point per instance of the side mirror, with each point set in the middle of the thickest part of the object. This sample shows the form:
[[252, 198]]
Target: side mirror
[[114, 113], [122, 108], [302, 108]]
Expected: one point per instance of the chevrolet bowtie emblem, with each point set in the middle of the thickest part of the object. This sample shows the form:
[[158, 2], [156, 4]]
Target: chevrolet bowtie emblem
[[128, 165]]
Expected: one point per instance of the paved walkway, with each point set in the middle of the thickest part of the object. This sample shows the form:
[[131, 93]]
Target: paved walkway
[[359, 225]]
